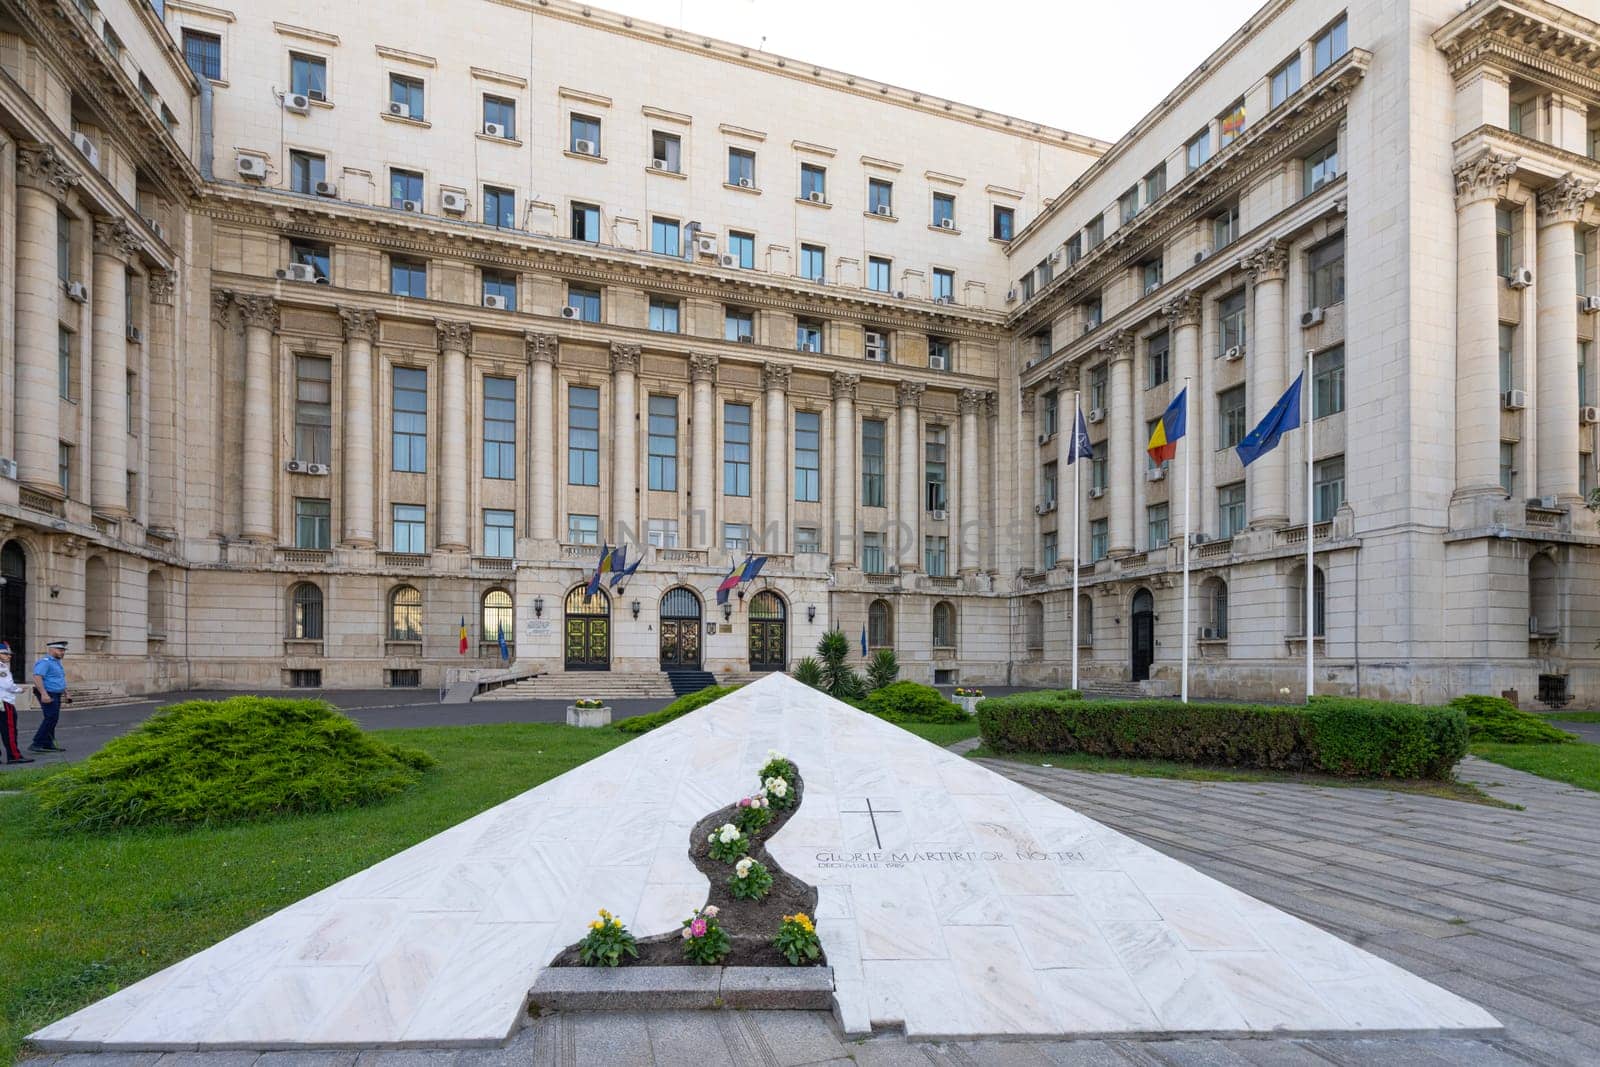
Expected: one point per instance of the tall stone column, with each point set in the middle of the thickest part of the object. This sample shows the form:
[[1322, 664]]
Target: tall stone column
[[992, 473], [1183, 320], [1122, 468], [774, 483], [543, 350], [115, 245], [844, 468], [625, 443], [968, 561], [1267, 479], [454, 340], [164, 475], [1556, 408], [358, 463], [1029, 480], [222, 305], [260, 314], [43, 180], [909, 519], [703, 451], [1480, 184]]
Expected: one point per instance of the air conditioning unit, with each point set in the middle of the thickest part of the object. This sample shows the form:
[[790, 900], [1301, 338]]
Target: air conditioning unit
[[1520, 278], [938, 362], [328, 189], [816, 197], [1589, 304], [298, 103], [136, 335], [251, 165], [8, 469], [1208, 633], [877, 355], [1311, 318], [705, 245], [1200, 538], [1546, 502], [494, 129], [1088, 327], [87, 148], [1514, 400], [452, 202], [571, 313], [1096, 492], [495, 301], [936, 514], [947, 224], [660, 164], [77, 291], [155, 225], [399, 110], [945, 300], [809, 346], [1234, 352], [1155, 474], [874, 339], [899, 294], [298, 272], [728, 259], [1152, 287], [1055, 257], [746, 338], [1589, 414], [883, 209], [1200, 256], [413, 206], [1097, 414], [317, 468], [1044, 509], [746, 183], [294, 466], [585, 148]]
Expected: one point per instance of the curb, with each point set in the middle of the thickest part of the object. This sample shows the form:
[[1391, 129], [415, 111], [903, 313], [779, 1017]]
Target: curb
[[688, 988]]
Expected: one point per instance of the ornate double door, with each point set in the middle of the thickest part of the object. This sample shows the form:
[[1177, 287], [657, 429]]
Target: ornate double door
[[769, 637], [588, 631], [680, 630]]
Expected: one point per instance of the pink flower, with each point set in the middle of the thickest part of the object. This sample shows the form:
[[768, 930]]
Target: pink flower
[[709, 911], [697, 928], [745, 802]]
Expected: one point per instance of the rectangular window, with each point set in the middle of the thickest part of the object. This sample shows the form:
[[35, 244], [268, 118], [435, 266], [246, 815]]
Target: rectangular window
[[1225, 227], [1128, 206], [1150, 272], [1093, 311], [1098, 384], [1285, 81], [738, 325], [203, 53], [1094, 232], [1074, 248], [934, 456], [936, 555], [1325, 265], [742, 246], [318, 257], [410, 420], [878, 270], [1048, 490], [663, 444], [1156, 526], [661, 533], [1029, 287], [584, 136], [872, 552], [1321, 167], [1049, 549], [1198, 150], [813, 182], [1585, 373], [311, 523], [130, 397], [663, 315], [1231, 322], [1508, 466], [1505, 229], [944, 285], [1005, 223], [64, 466], [742, 168], [1508, 357], [313, 409], [735, 537], [807, 456], [583, 529], [944, 211], [1155, 185], [1149, 461], [1050, 414], [63, 246], [664, 237], [939, 353], [501, 284], [410, 529], [1231, 417], [500, 428], [666, 152], [1099, 539], [1097, 467], [1327, 382], [308, 76], [1158, 359], [1231, 123], [499, 533], [1230, 509], [811, 262], [499, 207], [408, 277], [408, 93], [586, 301], [735, 449], [1327, 483], [880, 196], [808, 335], [64, 363], [405, 187], [583, 435], [1330, 44], [498, 111], [585, 223], [872, 465], [307, 170], [807, 539], [1580, 262]]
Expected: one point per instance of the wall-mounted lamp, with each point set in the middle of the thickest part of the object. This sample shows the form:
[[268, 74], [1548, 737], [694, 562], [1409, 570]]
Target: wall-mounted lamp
[[811, 613], [538, 607], [635, 607], [727, 611], [741, 594], [55, 591]]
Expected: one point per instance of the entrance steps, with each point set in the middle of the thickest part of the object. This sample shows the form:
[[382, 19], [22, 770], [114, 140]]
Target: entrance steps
[[688, 681], [1099, 690], [603, 685]]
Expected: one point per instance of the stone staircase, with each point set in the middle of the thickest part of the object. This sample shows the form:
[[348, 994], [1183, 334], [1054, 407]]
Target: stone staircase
[[604, 685], [1100, 690], [684, 682]]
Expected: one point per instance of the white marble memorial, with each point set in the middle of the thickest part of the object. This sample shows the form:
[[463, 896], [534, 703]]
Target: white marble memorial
[[951, 901]]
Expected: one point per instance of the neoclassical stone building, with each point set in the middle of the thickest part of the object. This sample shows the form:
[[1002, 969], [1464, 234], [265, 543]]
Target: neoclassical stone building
[[328, 336]]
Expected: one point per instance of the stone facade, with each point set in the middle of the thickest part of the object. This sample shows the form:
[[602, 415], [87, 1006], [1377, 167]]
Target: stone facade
[[330, 337]]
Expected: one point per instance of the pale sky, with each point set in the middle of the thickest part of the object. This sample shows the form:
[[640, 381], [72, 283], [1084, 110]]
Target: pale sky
[[1092, 68]]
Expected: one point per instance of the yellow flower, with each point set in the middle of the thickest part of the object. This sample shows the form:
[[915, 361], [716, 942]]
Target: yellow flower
[[596, 925], [604, 914], [802, 920]]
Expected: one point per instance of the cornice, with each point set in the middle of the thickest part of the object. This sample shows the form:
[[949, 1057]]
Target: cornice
[[1536, 40]]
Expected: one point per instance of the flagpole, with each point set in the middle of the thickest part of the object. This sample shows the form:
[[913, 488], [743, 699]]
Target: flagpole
[[1076, 463], [1188, 494], [1311, 567]]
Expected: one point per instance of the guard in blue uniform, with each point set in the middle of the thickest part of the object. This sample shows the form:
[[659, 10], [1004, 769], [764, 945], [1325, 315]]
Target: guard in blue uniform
[[50, 685]]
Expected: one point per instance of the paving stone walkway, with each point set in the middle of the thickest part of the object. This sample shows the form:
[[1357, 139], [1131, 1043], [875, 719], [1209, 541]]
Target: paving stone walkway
[[1499, 906]]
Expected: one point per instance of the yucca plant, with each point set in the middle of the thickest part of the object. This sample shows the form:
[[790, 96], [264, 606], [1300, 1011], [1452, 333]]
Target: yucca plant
[[807, 671], [883, 670]]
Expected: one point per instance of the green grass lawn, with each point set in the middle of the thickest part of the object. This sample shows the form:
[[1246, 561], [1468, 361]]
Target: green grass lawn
[[84, 915], [1577, 765], [943, 734], [1572, 716]]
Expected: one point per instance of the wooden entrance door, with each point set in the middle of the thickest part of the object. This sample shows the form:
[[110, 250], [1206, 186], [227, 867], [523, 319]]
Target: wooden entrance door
[[769, 636], [680, 630], [588, 631], [1144, 634]]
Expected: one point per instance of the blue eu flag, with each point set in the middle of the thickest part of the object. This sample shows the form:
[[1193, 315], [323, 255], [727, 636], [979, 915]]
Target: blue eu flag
[[1284, 416]]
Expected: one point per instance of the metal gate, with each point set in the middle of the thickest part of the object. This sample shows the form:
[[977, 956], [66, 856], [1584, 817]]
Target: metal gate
[[1144, 634]]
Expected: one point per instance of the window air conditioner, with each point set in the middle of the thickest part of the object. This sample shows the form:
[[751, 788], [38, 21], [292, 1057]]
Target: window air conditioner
[[584, 148], [816, 197], [1040, 509], [746, 183], [413, 206], [809, 346], [1208, 633], [1011, 296], [571, 313], [1514, 400], [936, 514], [1234, 352], [399, 110], [87, 148], [1311, 318], [883, 209], [705, 245], [1520, 278], [1096, 492], [947, 224], [1088, 327], [453, 202], [298, 272], [77, 291], [659, 164], [494, 129], [136, 335], [877, 355], [251, 165], [328, 189], [1589, 414], [495, 301], [1097, 414], [298, 103], [1589, 304], [938, 363], [747, 338], [727, 259], [1155, 474]]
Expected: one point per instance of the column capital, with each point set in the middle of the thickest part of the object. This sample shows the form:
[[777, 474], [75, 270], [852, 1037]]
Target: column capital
[[971, 401], [114, 237], [910, 394], [1483, 177], [1029, 396], [703, 367], [541, 347], [360, 324], [992, 399], [844, 385], [1183, 310], [1267, 262], [453, 336], [775, 376], [624, 357], [1119, 346], [260, 312], [39, 166], [159, 284], [1565, 200], [221, 301]]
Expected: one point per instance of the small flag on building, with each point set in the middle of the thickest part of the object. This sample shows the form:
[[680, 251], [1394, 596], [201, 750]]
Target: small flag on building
[[600, 568], [729, 582], [618, 564], [1080, 447], [463, 635], [752, 567], [1284, 416], [863, 639], [505, 649], [1171, 426]]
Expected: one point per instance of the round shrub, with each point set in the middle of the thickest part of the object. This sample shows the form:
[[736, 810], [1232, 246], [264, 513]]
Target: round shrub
[[640, 724], [1497, 719], [207, 762], [912, 702]]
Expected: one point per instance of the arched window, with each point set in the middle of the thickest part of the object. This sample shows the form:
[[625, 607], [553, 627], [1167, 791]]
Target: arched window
[[944, 625], [1543, 615], [880, 625], [498, 615], [1034, 628], [155, 604], [1214, 606], [1297, 603], [305, 612], [405, 614], [96, 597], [1085, 621]]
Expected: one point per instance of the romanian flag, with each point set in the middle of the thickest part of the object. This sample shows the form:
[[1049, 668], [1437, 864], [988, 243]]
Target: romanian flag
[[730, 582], [1164, 438], [463, 635], [1233, 124]]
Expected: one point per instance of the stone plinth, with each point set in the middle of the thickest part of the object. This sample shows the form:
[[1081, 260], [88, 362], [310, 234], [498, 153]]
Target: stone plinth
[[577, 716]]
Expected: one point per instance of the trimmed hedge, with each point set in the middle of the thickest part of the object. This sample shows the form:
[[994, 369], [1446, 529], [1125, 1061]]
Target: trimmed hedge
[[639, 724], [1497, 719], [1356, 738], [912, 702]]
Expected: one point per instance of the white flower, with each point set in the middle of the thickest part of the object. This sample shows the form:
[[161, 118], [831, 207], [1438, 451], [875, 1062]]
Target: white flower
[[729, 833], [773, 754], [742, 868], [778, 787], [709, 911]]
